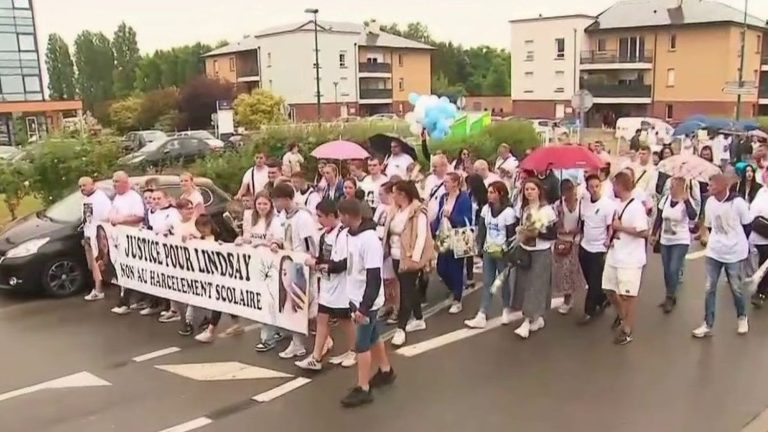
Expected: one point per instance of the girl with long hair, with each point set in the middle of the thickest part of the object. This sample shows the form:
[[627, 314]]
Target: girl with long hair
[[463, 162], [536, 233], [190, 191], [567, 272], [748, 184]]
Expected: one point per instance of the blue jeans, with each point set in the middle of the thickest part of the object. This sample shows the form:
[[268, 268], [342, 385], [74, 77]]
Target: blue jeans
[[734, 273], [673, 259], [491, 268], [451, 270]]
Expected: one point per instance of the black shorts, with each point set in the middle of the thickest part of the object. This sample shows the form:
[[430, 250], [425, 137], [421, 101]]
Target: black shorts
[[336, 313]]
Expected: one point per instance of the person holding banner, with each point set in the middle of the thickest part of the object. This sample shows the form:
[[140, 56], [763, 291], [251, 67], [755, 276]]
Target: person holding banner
[[333, 300], [366, 296], [127, 209], [184, 228], [299, 236], [190, 192], [96, 208]]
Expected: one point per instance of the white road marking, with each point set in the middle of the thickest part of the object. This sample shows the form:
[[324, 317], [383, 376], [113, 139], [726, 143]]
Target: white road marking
[[81, 379], [156, 354], [696, 255], [281, 390], [190, 425], [222, 371], [442, 340]]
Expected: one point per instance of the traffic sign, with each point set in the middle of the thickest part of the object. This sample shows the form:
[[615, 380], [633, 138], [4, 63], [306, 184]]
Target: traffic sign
[[743, 88], [582, 100], [461, 102]]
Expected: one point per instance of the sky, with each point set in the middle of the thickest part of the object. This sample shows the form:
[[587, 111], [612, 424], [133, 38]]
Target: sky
[[163, 24]]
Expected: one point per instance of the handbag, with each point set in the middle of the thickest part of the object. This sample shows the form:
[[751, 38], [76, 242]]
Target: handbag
[[563, 247], [760, 226], [462, 241]]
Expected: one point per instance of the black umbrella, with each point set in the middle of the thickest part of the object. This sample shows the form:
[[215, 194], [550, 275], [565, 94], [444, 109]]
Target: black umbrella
[[381, 145]]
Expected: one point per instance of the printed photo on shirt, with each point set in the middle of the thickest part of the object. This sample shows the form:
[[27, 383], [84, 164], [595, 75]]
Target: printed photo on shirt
[[104, 256], [87, 212]]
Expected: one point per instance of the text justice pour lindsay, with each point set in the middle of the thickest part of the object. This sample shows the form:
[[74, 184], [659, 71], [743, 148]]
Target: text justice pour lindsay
[[225, 264]]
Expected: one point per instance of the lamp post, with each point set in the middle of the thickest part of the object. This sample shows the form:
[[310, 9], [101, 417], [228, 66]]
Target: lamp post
[[314, 12], [741, 61]]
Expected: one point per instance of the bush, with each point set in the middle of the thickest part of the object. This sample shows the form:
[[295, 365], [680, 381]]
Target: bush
[[123, 115], [197, 101], [157, 106], [520, 136], [14, 185], [261, 107]]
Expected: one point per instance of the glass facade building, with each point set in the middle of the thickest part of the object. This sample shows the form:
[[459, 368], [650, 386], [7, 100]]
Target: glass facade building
[[20, 77]]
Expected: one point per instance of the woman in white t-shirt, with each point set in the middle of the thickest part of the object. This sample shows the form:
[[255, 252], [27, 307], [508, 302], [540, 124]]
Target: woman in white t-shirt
[[391, 287], [536, 234], [261, 226], [189, 191], [567, 271], [185, 229], [671, 231], [496, 226]]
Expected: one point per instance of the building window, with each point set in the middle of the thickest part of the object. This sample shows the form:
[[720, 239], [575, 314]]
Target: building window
[[601, 45], [343, 60], [8, 42], [759, 47], [529, 42], [400, 60], [269, 59], [669, 112], [559, 90], [672, 42], [560, 48], [529, 56], [529, 74], [21, 4], [12, 84], [401, 84], [231, 64], [32, 84], [270, 84], [559, 74], [670, 77], [216, 68], [527, 91], [27, 42]]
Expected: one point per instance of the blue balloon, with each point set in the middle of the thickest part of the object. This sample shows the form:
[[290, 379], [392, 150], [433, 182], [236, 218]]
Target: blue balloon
[[413, 98], [438, 134]]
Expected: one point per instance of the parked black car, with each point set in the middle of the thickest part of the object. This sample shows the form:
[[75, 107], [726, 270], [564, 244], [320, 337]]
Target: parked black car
[[134, 141], [42, 252], [169, 151]]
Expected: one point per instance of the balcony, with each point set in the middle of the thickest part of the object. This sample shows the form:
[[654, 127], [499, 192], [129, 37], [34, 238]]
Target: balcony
[[764, 62], [595, 60], [248, 67], [762, 93], [375, 68], [376, 95]]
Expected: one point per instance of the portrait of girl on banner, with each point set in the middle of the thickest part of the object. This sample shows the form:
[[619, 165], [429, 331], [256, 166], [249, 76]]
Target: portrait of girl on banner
[[104, 257], [292, 284]]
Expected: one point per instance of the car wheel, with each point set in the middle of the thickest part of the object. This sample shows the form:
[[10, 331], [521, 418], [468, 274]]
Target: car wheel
[[63, 277]]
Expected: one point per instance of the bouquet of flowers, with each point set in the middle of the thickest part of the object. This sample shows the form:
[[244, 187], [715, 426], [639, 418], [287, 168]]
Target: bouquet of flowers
[[534, 222]]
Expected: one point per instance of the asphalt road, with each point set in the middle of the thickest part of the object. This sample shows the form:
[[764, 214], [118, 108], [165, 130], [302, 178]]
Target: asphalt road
[[564, 378]]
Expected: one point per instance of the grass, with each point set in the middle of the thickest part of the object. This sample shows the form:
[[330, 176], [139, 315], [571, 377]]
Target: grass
[[28, 205]]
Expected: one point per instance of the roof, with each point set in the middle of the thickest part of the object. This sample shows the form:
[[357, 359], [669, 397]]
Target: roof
[[550, 18], [381, 39], [655, 13]]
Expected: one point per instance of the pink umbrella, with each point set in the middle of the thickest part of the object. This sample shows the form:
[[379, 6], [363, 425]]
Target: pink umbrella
[[689, 167], [340, 150]]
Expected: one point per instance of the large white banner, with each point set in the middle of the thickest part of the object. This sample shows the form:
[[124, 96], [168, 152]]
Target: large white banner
[[254, 283]]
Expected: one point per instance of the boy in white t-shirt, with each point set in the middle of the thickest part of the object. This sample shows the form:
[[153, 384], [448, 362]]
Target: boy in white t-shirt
[[333, 301], [626, 257]]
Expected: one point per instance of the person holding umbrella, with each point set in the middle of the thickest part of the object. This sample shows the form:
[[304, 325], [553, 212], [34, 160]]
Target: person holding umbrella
[[398, 162]]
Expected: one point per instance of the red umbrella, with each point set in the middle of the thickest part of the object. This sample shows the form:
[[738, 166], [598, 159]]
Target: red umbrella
[[561, 157]]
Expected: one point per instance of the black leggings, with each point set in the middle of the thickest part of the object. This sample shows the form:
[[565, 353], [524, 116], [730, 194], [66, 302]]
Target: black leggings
[[216, 317], [470, 267], [410, 297], [762, 251]]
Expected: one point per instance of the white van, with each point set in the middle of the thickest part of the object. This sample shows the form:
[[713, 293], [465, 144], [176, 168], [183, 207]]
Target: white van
[[626, 127]]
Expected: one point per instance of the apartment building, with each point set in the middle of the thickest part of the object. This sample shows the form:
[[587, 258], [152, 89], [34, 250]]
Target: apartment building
[[363, 70], [659, 58]]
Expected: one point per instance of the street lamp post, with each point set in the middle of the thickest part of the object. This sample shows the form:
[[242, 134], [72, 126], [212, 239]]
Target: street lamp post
[[741, 61], [336, 95], [314, 12]]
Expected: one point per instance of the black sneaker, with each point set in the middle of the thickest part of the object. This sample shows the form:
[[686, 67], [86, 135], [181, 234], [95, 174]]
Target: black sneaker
[[357, 397], [758, 300], [669, 304], [381, 378], [187, 329], [616, 323], [623, 338]]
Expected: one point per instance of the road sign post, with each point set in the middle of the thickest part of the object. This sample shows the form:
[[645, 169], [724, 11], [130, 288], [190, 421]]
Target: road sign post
[[582, 101]]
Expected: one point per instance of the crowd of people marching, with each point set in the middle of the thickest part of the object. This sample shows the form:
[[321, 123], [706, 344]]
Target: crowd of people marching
[[375, 235]]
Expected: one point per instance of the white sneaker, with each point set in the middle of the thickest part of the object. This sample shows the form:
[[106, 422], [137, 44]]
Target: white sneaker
[[455, 308], [524, 330], [150, 311], [309, 363], [171, 316], [416, 325], [138, 306], [399, 338], [292, 351], [537, 325], [350, 361], [564, 308], [340, 359], [94, 296], [206, 336], [477, 322], [121, 310], [235, 330], [743, 327], [506, 316], [703, 331]]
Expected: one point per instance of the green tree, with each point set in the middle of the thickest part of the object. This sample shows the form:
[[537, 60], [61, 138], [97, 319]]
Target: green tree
[[126, 51], [95, 62], [124, 114], [259, 108], [61, 69], [148, 74], [155, 106]]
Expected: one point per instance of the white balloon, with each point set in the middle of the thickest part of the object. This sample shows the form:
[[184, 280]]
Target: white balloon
[[419, 112], [410, 117], [416, 129]]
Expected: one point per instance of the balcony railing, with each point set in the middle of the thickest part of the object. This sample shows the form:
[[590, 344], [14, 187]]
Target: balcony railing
[[611, 57], [249, 69], [375, 67], [618, 90], [375, 93]]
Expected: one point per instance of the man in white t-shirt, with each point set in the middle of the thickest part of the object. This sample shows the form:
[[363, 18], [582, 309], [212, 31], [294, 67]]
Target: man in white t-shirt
[[626, 257], [366, 296], [434, 185], [727, 224], [127, 209], [255, 177], [372, 183], [597, 211], [292, 160], [646, 176], [506, 160], [306, 196], [483, 170], [96, 208], [398, 162]]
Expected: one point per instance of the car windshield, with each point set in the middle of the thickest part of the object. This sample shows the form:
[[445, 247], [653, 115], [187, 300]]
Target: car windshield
[[8, 152], [154, 136], [154, 145], [67, 210], [204, 135]]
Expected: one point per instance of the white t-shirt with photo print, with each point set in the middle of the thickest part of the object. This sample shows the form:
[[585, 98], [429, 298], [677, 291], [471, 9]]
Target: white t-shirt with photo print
[[628, 251], [496, 227], [333, 287], [727, 239], [365, 252], [96, 208]]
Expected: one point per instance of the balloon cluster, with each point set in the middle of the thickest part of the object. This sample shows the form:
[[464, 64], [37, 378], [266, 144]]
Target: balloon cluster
[[432, 114]]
